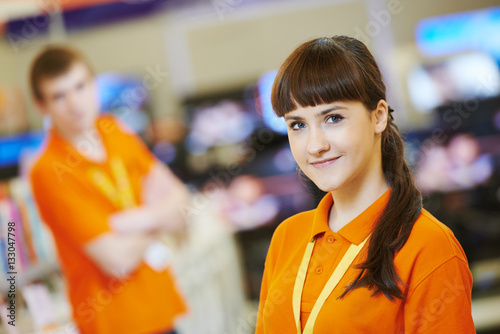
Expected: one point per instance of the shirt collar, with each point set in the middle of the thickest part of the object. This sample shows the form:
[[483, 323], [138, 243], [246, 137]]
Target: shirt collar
[[65, 146], [357, 229]]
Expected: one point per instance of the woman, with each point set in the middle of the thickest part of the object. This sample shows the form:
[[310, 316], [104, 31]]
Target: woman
[[368, 259]]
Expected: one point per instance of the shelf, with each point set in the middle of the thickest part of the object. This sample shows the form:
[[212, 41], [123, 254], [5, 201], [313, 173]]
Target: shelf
[[31, 274], [485, 312]]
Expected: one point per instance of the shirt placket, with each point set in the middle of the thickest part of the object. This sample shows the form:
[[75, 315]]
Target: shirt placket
[[324, 260]]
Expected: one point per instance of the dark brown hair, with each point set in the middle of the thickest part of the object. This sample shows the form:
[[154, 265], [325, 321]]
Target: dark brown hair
[[52, 62], [340, 68]]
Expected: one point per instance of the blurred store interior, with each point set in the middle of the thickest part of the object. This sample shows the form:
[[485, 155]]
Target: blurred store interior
[[193, 79]]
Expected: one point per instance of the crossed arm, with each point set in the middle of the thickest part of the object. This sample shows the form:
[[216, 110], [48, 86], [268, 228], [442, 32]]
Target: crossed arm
[[119, 252]]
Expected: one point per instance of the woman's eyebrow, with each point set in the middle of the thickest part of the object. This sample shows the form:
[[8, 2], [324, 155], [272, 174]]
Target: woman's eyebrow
[[330, 109], [295, 118], [298, 118]]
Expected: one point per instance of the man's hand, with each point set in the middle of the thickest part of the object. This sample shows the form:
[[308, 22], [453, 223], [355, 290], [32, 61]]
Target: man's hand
[[163, 197], [134, 220], [157, 184], [118, 255]]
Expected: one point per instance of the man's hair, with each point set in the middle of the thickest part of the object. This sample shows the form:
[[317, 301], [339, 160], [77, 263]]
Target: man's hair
[[52, 62]]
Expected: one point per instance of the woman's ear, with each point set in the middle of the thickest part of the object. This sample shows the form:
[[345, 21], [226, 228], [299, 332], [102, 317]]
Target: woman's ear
[[381, 116]]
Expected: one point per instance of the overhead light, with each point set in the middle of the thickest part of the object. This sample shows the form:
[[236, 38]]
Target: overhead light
[[12, 10]]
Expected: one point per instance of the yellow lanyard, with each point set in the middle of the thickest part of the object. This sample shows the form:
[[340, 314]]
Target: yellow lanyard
[[337, 275], [121, 194]]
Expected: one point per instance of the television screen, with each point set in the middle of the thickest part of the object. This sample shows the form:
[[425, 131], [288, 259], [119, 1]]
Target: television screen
[[269, 118], [457, 78], [12, 149], [449, 34]]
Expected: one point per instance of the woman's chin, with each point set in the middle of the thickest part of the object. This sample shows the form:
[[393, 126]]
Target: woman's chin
[[327, 187]]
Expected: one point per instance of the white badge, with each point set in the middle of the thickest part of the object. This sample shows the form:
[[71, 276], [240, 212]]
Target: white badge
[[158, 256]]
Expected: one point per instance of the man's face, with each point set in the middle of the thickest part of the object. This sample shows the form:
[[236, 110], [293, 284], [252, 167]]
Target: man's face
[[70, 100]]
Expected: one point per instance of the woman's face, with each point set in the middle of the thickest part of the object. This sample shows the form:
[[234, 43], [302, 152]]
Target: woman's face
[[337, 145]]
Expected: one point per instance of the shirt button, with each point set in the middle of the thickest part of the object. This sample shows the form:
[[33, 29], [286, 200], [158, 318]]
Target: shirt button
[[330, 239], [319, 270]]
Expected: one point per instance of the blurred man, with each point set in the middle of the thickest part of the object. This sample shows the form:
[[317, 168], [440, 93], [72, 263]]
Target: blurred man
[[104, 197]]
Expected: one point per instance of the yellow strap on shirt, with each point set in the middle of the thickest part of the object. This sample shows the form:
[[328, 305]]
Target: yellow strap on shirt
[[337, 275], [120, 193], [122, 182]]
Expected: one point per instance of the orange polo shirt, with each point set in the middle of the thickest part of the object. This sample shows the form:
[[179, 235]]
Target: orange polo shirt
[[76, 209], [432, 264]]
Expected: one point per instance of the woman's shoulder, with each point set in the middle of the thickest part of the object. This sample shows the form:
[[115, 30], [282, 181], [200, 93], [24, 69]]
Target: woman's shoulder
[[431, 234], [293, 231], [432, 254], [430, 245], [296, 226]]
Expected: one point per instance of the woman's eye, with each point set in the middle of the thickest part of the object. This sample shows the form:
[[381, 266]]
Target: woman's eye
[[297, 125], [333, 118]]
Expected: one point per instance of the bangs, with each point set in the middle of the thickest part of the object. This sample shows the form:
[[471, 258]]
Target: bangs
[[320, 71]]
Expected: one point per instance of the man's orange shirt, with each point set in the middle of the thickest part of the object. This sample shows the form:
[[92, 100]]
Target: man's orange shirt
[[76, 208], [431, 263]]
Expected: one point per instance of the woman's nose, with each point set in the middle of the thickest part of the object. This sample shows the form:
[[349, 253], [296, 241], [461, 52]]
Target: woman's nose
[[317, 142]]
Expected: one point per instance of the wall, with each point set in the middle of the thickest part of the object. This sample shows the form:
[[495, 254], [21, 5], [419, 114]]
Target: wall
[[203, 51], [406, 53], [208, 49]]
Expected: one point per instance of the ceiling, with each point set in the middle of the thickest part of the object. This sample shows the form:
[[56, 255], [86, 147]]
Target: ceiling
[[18, 9]]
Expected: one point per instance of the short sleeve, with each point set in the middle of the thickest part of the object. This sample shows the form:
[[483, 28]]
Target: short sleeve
[[441, 302], [68, 208], [270, 263], [263, 297]]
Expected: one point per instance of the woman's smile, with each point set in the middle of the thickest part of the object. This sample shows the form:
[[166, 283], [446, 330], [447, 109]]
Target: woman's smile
[[324, 163]]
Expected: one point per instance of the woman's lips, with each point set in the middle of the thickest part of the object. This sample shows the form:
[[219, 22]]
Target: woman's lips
[[324, 163]]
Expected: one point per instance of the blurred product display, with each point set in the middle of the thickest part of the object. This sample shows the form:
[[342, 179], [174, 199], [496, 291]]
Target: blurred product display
[[13, 113]]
